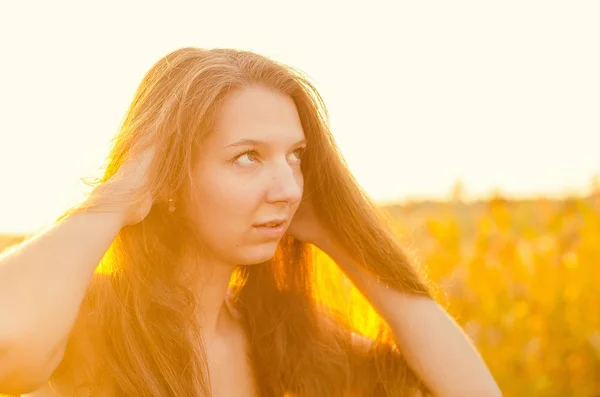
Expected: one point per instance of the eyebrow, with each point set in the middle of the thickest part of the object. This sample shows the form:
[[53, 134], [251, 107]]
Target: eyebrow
[[254, 142]]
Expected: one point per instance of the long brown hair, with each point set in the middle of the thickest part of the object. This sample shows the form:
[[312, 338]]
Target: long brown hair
[[136, 334]]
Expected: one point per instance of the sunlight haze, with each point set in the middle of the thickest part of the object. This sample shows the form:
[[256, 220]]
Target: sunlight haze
[[499, 94]]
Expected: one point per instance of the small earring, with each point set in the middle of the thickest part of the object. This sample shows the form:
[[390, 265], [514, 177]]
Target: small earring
[[171, 205]]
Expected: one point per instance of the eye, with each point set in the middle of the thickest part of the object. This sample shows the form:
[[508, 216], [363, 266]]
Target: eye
[[298, 153], [249, 157]]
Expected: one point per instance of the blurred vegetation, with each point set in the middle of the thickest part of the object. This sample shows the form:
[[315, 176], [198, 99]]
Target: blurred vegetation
[[521, 277]]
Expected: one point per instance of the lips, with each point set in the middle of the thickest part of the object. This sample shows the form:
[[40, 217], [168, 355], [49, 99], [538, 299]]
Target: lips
[[271, 223], [271, 230]]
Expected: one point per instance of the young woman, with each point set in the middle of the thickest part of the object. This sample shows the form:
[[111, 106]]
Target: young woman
[[223, 176]]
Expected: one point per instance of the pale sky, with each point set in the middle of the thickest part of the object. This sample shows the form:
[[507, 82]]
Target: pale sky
[[500, 94]]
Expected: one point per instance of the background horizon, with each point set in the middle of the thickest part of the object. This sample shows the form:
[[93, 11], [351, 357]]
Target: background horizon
[[501, 96]]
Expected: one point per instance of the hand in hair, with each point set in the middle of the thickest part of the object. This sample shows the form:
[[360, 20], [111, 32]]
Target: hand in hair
[[306, 226], [126, 191]]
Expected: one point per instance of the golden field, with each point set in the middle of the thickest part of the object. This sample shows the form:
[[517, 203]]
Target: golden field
[[521, 277]]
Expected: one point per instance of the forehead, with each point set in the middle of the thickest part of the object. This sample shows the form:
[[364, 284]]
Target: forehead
[[257, 112]]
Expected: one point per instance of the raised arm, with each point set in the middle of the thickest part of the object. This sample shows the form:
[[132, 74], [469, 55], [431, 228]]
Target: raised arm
[[433, 344], [43, 281], [42, 284]]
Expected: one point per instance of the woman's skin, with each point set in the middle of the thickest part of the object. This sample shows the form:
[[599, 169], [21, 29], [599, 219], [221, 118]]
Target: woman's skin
[[248, 173]]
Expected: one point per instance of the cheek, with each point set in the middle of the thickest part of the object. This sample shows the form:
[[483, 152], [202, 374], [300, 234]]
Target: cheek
[[226, 204], [300, 180]]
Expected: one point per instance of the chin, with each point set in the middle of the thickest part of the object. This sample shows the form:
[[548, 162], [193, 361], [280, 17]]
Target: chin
[[257, 254]]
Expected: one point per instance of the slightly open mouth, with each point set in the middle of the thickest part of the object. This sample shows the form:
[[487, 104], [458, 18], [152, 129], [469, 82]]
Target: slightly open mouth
[[271, 224]]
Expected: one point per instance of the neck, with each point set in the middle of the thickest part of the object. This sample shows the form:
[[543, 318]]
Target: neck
[[210, 283]]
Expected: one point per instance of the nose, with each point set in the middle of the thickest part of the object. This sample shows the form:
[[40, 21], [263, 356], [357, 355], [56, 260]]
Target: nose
[[286, 184]]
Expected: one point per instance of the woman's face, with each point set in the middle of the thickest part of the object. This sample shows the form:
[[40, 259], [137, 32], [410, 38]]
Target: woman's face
[[248, 181]]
